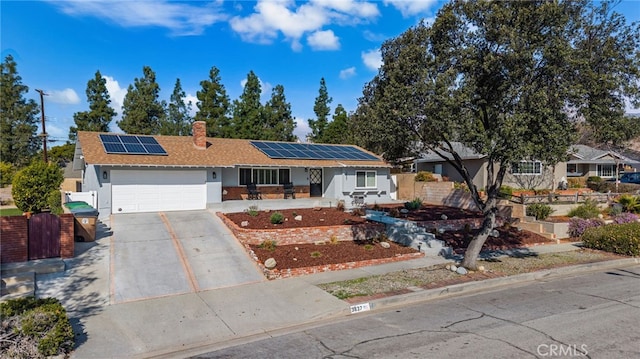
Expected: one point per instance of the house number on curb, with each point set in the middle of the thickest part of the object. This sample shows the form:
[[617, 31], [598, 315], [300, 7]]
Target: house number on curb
[[360, 308]]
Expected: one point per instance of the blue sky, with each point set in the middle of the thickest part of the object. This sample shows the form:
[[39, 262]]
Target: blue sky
[[58, 46]]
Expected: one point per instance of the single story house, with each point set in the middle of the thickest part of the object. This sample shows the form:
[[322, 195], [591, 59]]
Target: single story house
[[584, 161], [164, 173]]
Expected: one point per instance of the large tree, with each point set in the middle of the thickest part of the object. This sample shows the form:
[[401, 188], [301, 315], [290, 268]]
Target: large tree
[[502, 78], [18, 117], [248, 120], [213, 106], [100, 113], [337, 131], [178, 120], [279, 123], [322, 110], [141, 110]]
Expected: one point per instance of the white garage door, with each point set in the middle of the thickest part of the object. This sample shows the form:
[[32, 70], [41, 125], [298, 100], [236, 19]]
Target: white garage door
[[150, 191]]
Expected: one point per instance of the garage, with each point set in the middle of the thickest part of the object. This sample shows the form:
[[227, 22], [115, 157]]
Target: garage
[[134, 191]]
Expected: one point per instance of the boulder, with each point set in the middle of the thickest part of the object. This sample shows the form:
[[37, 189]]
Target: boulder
[[461, 270], [298, 218], [385, 245], [495, 233], [244, 223], [481, 268], [453, 268], [444, 217], [270, 263]]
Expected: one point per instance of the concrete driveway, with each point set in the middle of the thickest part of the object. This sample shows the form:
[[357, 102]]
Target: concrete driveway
[[169, 253]]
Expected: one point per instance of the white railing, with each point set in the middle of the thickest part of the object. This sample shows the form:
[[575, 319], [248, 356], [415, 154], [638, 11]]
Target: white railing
[[90, 197]]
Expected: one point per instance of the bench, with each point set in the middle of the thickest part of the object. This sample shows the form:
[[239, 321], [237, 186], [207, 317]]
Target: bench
[[289, 190], [252, 191]]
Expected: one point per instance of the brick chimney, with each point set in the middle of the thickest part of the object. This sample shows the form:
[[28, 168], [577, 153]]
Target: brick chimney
[[200, 134]]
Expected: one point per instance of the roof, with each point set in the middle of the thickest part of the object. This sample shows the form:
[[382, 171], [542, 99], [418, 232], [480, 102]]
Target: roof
[[463, 151], [220, 152], [588, 154]]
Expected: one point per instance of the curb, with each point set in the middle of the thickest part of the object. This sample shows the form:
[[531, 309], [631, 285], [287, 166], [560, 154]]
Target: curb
[[494, 283]]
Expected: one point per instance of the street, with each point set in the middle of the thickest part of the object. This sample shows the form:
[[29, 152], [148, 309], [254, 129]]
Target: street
[[594, 315]]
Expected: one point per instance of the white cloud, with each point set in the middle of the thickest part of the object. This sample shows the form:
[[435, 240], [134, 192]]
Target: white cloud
[[302, 129], [346, 73], [181, 18], [194, 103], [411, 7], [272, 18], [116, 93], [323, 40], [372, 59], [67, 96], [265, 87]]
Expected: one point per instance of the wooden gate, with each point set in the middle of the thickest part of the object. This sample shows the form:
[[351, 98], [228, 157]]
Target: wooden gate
[[44, 236]]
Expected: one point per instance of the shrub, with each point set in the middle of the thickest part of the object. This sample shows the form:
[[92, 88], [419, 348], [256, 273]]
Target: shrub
[[595, 183], [333, 239], [575, 183], [577, 226], [461, 185], [539, 210], [424, 176], [616, 238], [394, 212], [7, 171], [276, 218], [340, 206], [269, 245], [589, 209], [43, 322], [505, 192], [33, 184], [358, 211], [253, 210], [625, 217], [368, 247], [629, 203], [316, 254], [55, 202], [413, 205]]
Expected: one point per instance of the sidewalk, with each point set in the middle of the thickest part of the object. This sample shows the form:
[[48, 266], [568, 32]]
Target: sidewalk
[[188, 324]]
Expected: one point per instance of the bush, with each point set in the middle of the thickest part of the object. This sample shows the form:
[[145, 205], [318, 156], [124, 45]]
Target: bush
[[33, 184], [340, 206], [269, 245], [625, 217], [7, 171], [358, 211], [594, 183], [252, 210], [55, 202], [587, 210], [576, 183], [577, 226], [539, 210], [276, 218], [424, 176], [413, 205], [629, 203], [43, 322], [505, 192], [616, 238]]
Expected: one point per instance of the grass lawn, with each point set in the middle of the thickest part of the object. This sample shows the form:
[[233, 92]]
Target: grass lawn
[[10, 212]]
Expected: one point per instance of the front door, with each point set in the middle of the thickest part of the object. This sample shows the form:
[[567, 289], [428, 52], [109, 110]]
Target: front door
[[315, 180]]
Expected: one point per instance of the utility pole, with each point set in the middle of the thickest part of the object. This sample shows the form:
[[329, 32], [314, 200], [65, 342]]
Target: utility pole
[[44, 131]]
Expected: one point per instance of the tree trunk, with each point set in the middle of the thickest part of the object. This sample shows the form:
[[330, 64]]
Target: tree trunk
[[475, 246]]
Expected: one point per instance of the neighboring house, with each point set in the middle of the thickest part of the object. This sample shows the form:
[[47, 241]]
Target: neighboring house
[[525, 174], [585, 161], [163, 173]]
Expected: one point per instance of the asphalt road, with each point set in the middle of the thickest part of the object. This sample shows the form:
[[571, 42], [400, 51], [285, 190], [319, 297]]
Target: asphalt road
[[593, 315]]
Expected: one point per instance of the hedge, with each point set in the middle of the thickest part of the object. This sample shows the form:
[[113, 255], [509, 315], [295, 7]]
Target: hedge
[[616, 238]]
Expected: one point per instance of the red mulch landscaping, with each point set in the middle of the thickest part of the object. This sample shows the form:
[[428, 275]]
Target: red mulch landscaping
[[309, 255], [509, 238], [433, 212], [311, 217]]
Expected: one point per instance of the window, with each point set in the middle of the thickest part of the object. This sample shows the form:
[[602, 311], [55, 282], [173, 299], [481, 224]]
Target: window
[[572, 168], [606, 170], [527, 168], [365, 179], [264, 176]]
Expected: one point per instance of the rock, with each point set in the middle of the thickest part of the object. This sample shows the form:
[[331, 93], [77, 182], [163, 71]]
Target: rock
[[404, 211], [495, 233], [298, 218], [270, 263], [461, 270], [385, 245], [441, 230], [321, 219], [317, 208], [444, 217], [319, 243], [267, 210], [448, 267], [481, 268], [296, 248], [453, 268], [244, 223], [601, 216]]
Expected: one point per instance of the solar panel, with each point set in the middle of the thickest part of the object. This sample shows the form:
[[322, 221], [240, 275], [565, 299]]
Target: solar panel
[[312, 151], [131, 145]]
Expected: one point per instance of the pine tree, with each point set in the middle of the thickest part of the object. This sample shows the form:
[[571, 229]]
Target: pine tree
[[141, 110], [279, 123], [337, 131], [100, 113], [213, 106], [18, 117], [178, 121], [322, 110], [248, 121]]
